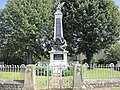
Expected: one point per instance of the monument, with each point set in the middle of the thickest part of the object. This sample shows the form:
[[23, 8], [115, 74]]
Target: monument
[[58, 54]]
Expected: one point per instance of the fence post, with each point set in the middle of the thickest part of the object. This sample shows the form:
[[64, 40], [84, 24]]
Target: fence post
[[29, 83], [77, 78]]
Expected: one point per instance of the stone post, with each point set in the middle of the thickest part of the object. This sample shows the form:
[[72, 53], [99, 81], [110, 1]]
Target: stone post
[[29, 83], [77, 78]]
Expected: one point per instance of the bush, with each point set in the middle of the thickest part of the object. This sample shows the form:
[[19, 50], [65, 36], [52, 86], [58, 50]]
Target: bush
[[68, 71]]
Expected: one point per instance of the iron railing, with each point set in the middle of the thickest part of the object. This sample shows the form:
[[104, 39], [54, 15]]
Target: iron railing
[[12, 72], [59, 76], [108, 71], [12, 77]]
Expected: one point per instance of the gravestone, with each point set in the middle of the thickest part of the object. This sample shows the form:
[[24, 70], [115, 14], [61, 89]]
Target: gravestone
[[58, 54]]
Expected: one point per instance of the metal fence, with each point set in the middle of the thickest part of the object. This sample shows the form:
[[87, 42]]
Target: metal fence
[[58, 77], [12, 72], [108, 71], [11, 77], [61, 77]]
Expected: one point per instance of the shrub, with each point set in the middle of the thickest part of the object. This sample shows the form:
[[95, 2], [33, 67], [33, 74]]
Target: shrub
[[68, 71]]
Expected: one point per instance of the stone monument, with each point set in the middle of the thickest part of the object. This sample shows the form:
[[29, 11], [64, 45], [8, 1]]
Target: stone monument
[[58, 54]]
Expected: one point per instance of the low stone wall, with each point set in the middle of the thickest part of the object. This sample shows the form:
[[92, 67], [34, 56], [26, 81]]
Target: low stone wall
[[88, 84], [11, 85]]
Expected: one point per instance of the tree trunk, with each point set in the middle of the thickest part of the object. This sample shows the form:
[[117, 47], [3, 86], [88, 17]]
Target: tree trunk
[[89, 58], [29, 57]]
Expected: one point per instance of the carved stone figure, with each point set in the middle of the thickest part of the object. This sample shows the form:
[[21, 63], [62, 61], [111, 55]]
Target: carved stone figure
[[59, 44], [59, 5]]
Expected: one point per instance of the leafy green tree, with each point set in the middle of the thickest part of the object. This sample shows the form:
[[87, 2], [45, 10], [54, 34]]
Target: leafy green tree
[[26, 27], [90, 25], [113, 54], [0, 11]]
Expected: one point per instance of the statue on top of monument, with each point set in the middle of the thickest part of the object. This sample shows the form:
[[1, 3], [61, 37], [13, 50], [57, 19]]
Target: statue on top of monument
[[59, 44], [59, 5]]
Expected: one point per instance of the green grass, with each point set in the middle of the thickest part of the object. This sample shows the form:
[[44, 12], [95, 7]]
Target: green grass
[[100, 73], [11, 76], [68, 81], [41, 81], [115, 88]]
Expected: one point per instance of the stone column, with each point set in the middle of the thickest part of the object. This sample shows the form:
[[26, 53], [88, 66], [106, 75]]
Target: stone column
[[29, 83], [77, 78]]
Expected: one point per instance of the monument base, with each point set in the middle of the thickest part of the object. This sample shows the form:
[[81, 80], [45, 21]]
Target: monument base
[[58, 58]]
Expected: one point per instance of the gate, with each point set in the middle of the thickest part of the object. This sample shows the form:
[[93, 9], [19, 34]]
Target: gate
[[59, 77]]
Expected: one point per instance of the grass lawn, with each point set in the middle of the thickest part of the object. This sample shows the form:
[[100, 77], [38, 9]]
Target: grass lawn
[[100, 73], [11, 76], [68, 81], [41, 81], [115, 88]]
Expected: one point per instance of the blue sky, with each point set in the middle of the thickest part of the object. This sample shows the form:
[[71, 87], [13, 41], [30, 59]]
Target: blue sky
[[117, 2], [3, 2]]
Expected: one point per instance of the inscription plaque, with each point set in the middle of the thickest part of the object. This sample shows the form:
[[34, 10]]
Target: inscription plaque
[[58, 56], [58, 27]]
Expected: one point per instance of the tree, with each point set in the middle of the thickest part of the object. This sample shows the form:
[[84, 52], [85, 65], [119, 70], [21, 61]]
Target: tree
[[26, 27], [0, 11], [91, 25], [113, 54]]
